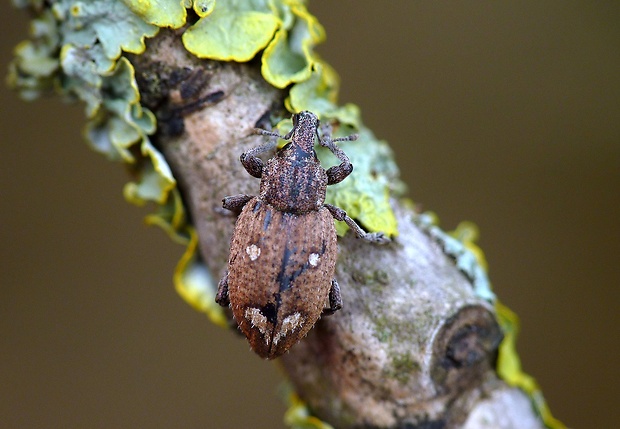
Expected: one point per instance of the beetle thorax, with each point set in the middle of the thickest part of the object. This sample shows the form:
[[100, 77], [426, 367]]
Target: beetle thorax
[[294, 181]]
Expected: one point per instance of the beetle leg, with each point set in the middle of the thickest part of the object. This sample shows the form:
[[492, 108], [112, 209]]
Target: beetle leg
[[341, 215], [335, 300], [222, 292], [337, 173], [250, 160], [235, 203]]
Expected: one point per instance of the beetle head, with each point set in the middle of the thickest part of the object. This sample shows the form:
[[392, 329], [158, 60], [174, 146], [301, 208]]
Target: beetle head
[[305, 129]]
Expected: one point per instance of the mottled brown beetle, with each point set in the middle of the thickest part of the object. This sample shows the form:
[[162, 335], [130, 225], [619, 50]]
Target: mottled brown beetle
[[283, 251]]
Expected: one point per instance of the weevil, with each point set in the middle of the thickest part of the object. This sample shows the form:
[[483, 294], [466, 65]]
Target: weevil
[[283, 250]]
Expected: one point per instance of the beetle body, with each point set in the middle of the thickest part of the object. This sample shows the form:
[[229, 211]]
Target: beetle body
[[283, 251], [289, 259]]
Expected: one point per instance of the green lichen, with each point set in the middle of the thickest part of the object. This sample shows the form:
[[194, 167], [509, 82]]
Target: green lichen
[[161, 13], [108, 23], [382, 277], [509, 366], [365, 194], [468, 233], [383, 328], [386, 331], [236, 30], [460, 246], [35, 67], [82, 77], [298, 415], [403, 367], [155, 180], [119, 121], [76, 49], [171, 217], [194, 283], [289, 57], [319, 94], [202, 7]]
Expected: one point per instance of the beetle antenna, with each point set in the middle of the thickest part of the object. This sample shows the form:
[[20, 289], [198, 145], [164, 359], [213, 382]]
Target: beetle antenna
[[346, 139], [270, 133], [326, 136]]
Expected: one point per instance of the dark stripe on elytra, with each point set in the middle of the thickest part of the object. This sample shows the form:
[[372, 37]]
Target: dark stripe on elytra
[[267, 219], [256, 207], [270, 311], [286, 281]]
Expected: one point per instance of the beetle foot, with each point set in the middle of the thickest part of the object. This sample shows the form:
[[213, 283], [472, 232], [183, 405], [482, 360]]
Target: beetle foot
[[376, 237], [335, 299], [222, 292], [371, 237], [235, 203]]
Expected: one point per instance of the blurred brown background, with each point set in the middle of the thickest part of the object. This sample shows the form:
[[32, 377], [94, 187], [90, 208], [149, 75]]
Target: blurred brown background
[[504, 113]]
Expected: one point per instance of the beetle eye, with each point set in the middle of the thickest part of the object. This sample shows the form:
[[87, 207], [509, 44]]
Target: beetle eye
[[295, 119]]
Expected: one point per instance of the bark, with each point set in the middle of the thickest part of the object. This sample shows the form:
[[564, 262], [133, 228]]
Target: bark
[[413, 347]]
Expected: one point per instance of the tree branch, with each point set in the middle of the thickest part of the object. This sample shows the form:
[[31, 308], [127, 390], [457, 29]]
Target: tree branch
[[415, 344]]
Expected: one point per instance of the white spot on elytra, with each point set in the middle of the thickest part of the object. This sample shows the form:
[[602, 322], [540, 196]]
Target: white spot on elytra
[[259, 321], [313, 259], [253, 252], [289, 324]]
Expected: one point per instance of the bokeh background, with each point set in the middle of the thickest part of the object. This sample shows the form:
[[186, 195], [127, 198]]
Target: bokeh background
[[503, 113]]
